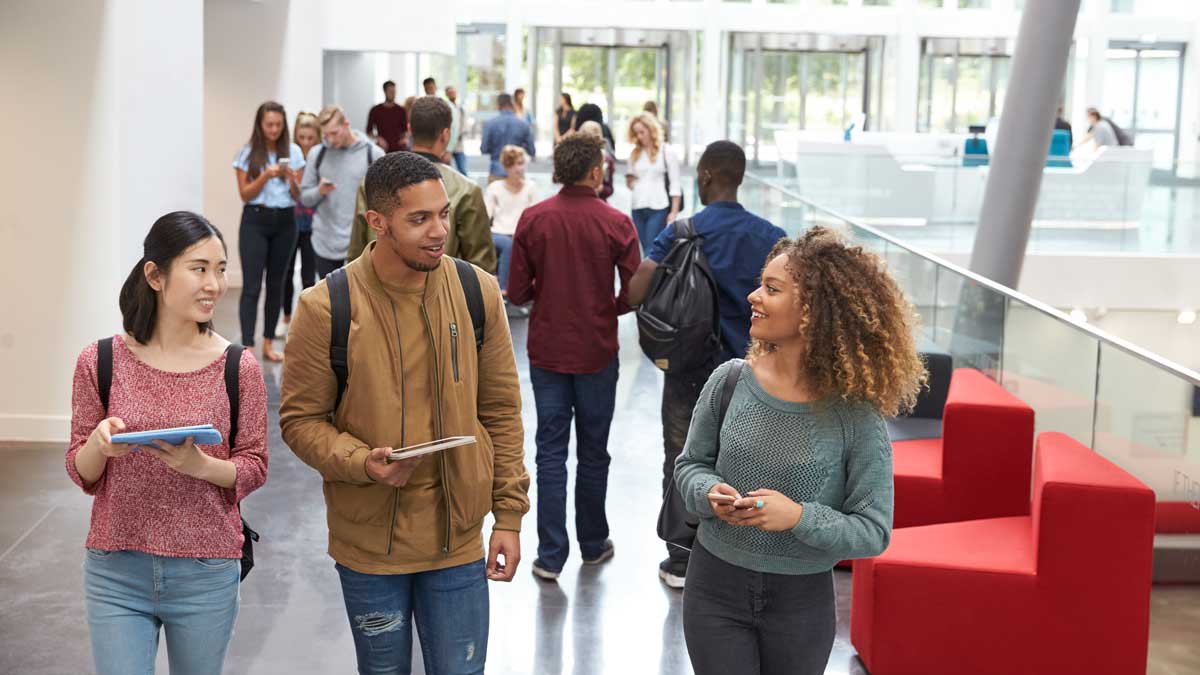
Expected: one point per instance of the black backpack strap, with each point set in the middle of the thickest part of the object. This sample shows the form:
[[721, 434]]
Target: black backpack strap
[[470, 284], [339, 327], [317, 164], [104, 368], [683, 228], [233, 387], [731, 382]]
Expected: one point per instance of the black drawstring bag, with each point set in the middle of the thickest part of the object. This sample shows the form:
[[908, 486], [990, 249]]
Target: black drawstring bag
[[676, 525]]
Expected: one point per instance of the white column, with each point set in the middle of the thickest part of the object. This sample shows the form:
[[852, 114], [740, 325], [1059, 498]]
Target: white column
[[514, 52], [1097, 51], [711, 117], [116, 119], [908, 67]]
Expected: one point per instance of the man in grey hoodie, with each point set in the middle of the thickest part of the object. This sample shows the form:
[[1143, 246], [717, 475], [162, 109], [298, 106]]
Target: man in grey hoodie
[[335, 168]]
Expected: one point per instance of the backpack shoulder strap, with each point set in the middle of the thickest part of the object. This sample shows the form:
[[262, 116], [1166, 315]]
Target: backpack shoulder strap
[[317, 164], [339, 326], [684, 228], [233, 387], [470, 284], [104, 370], [731, 382]]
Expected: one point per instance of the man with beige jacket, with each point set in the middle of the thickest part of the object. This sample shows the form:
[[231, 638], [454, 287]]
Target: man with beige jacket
[[407, 535]]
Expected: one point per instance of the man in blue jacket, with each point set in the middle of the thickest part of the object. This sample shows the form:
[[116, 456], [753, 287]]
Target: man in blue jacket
[[736, 245], [502, 130]]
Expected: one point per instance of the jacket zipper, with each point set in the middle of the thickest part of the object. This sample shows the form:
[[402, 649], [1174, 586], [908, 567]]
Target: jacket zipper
[[454, 348], [437, 385], [396, 491]]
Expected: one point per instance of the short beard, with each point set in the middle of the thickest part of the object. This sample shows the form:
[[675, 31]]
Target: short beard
[[418, 267]]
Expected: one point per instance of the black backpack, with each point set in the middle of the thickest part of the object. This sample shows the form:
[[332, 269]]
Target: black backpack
[[233, 361], [339, 314], [1123, 137], [679, 325]]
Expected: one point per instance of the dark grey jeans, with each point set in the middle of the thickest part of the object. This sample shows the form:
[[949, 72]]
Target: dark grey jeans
[[680, 393], [752, 623]]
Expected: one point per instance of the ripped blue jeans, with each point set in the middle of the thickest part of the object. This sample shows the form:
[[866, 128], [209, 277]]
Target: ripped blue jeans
[[450, 607]]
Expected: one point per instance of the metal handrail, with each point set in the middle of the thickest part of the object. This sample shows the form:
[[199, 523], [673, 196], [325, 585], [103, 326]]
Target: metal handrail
[[1123, 345]]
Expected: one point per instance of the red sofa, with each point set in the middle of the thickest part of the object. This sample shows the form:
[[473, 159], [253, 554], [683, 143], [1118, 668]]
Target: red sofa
[[980, 466], [1064, 590]]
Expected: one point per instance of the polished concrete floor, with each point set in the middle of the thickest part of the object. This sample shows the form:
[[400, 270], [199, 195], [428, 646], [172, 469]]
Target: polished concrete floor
[[615, 618]]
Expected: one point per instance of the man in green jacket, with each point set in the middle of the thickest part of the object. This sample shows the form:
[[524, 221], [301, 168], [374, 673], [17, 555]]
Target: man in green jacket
[[470, 236]]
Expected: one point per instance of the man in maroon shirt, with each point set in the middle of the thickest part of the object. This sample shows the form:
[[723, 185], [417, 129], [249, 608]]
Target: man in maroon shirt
[[566, 252], [387, 123]]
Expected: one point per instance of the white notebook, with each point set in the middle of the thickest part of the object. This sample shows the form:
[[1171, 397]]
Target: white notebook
[[430, 447]]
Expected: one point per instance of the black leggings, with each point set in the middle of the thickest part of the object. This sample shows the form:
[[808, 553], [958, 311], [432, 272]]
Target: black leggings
[[266, 239], [308, 270], [739, 621]]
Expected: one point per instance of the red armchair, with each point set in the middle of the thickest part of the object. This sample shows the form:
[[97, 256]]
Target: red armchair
[[980, 466], [1064, 590]]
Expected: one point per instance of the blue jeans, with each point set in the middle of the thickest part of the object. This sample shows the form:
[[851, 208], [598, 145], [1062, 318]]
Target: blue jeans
[[130, 594], [590, 399], [451, 610], [503, 243], [649, 222], [460, 162]]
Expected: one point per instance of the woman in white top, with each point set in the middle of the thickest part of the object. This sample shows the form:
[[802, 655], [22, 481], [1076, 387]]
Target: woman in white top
[[506, 199], [653, 178]]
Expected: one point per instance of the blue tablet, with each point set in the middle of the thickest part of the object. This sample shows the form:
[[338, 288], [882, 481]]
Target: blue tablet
[[204, 434]]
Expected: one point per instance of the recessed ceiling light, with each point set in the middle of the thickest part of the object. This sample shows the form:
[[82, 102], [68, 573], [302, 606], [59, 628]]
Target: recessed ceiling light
[[1186, 317], [1079, 315]]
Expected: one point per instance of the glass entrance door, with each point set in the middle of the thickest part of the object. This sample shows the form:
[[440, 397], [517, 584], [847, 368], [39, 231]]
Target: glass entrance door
[[618, 79], [1142, 94]]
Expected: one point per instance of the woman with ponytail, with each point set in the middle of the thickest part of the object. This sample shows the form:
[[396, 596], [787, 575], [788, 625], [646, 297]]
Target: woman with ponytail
[[268, 181], [166, 536]]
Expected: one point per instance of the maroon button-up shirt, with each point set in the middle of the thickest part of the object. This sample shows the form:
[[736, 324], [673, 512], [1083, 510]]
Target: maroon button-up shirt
[[564, 255]]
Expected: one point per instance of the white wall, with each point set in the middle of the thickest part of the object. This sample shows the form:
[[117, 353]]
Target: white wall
[[107, 128]]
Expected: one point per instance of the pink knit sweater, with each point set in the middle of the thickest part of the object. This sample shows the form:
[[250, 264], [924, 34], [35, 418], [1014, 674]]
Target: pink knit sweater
[[142, 504]]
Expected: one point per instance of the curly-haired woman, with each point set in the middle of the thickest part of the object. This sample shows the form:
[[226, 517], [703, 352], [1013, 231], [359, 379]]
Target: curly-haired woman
[[803, 477]]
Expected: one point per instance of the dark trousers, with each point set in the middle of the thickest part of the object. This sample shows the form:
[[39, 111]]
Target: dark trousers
[[308, 270], [265, 242], [739, 621], [590, 400], [680, 393], [327, 265]]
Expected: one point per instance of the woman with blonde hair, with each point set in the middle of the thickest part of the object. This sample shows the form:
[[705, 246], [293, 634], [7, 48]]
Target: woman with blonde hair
[[653, 178], [506, 200], [803, 476], [307, 133]]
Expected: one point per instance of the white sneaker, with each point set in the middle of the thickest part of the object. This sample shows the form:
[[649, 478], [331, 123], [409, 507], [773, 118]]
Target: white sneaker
[[543, 573], [671, 580]]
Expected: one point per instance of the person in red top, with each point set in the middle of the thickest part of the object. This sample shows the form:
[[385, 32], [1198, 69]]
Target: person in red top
[[166, 536], [387, 123], [566, 252]]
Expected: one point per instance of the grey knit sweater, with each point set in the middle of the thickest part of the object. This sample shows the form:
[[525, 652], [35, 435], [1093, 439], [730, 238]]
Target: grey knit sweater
[[832, 457]]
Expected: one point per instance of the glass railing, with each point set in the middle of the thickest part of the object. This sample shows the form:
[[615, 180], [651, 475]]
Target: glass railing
[[1135, 408], [1112, 203]]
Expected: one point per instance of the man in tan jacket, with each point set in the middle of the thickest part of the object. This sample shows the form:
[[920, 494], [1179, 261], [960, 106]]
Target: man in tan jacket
[[470, 236], [407, 535]]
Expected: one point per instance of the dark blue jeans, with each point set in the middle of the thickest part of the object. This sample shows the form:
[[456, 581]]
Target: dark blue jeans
[[451, 610], [648, 223], [590, 400]]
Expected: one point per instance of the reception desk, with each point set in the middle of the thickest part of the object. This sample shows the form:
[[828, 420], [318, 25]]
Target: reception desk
[[919, 179]]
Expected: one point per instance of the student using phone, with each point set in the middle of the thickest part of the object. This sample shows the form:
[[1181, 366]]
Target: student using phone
[[266, 169], [166, 537], [804, 455]]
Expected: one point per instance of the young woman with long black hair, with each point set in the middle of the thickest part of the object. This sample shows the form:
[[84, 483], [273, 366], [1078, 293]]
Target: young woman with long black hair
[[267, 179], [166, 537]]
